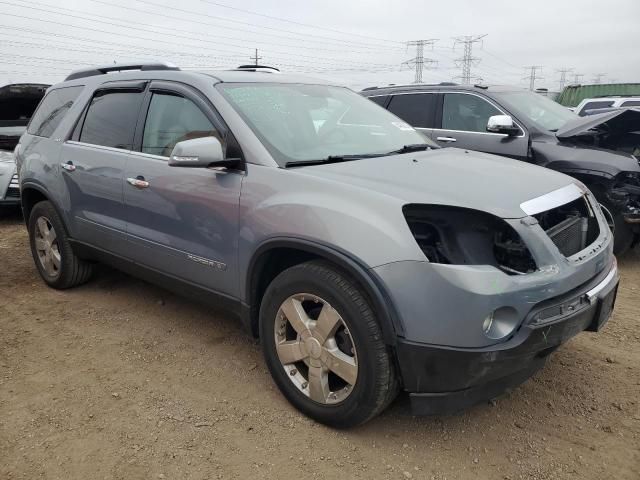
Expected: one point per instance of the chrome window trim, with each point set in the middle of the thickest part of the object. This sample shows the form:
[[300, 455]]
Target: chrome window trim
[[98, 147], [553, 199], [487, 99]]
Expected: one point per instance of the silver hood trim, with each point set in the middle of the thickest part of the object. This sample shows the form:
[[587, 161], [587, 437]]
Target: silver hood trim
[[551, 200]]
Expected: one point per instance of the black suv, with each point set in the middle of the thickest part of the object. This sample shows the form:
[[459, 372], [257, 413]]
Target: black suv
[[598, 150]]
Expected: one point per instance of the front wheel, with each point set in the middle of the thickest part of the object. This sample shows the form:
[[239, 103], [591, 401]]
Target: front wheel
[[323, 346]]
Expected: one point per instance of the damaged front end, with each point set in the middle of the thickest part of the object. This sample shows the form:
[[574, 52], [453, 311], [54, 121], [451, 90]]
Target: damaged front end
[[17, 104], [624, 193]]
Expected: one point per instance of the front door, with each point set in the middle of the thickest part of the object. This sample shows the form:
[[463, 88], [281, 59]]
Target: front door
[[93, 166], [182, 221], [463, 124]]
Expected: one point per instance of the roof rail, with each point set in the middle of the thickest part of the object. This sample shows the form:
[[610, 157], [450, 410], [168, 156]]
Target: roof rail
[[447, 84], [369, 88], [258, 68], [120, 67]]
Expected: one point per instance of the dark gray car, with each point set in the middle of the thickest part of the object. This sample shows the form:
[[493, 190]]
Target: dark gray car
[[366, 260], [517, 123]]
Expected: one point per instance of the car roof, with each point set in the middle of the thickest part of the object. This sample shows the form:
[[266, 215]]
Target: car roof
[[448, 86], [95, 76]]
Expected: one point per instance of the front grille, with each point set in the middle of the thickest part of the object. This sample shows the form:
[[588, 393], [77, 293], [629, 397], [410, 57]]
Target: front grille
[[571, 227]]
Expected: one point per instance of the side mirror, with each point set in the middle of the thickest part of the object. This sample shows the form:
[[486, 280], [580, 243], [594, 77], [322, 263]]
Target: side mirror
[[200, 153], [502, 124]]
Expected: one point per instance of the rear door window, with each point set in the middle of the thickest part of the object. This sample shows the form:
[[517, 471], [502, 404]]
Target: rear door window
[[595, 105], [111, 119], [631, 103], [172, 119], [466, 113], [52, 111], [417, 109]]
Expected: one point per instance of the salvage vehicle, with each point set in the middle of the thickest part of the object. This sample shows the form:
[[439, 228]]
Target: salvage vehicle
[[17, 104], [509, 121], [366, 259]]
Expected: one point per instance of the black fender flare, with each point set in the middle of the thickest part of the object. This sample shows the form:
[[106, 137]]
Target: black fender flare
[[383, 306]]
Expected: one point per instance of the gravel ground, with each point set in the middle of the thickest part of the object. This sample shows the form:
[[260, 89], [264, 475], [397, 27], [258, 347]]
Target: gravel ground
[[120, 379]]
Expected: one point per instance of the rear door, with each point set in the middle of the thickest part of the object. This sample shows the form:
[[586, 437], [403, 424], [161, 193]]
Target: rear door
[[93, 163], [462, 122], [417, 109], [184, 222]]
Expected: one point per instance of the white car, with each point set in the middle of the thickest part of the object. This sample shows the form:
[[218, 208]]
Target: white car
[[586, 106]]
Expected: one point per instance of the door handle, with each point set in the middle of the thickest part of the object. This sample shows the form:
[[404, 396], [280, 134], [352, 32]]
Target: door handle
[[446, 139], [69, 166], [138, 182]]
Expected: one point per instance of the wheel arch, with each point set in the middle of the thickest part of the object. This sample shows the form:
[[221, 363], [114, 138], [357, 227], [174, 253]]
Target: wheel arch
[[30, 195], [275, 255]]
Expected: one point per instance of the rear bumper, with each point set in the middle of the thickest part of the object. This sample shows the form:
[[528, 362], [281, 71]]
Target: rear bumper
[[445, 380]]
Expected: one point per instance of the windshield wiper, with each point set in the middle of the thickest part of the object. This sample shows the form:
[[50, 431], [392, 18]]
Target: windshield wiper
[[414, 147], [331, 159]]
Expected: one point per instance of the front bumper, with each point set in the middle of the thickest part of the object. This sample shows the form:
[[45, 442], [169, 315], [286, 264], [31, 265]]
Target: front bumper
[[445, 380]]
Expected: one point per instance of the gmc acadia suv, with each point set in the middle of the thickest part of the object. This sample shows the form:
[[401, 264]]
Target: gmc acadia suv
[[365, 258]]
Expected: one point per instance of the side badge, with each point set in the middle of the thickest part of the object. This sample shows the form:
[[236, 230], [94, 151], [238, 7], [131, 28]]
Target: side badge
[[209, 263]]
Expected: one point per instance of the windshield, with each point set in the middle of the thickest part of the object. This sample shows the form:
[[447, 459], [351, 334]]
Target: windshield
[[302, 123], [541, 111]]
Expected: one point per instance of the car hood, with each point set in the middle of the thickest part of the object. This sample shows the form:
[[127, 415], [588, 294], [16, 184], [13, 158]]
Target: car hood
[[618, 121], [448, 176]]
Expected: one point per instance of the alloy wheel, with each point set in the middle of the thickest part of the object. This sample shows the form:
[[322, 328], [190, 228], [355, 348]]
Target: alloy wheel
[[315, 348], [47, 248]]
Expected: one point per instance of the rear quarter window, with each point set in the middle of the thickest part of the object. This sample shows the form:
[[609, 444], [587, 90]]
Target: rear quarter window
[[52, 110]]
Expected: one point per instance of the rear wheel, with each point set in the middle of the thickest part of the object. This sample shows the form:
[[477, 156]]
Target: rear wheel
[[55, 260], [323, 346]]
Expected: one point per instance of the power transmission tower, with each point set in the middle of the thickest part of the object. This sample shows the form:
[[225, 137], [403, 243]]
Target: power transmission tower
[[577, 78], [533, 75], [255, 58], [563, 76], [419, 61], [467, 60], [597, 78]]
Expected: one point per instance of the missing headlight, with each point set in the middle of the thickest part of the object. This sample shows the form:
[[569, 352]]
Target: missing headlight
[[461, 236]]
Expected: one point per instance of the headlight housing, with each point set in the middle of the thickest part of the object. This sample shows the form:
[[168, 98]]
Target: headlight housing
[[462, 236]]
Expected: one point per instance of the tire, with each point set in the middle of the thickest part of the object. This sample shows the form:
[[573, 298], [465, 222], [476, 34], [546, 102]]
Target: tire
[[623, 235], [53, 255], [356, 339]]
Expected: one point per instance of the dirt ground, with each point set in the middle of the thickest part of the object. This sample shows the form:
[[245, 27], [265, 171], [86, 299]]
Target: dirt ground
[[119, 379]]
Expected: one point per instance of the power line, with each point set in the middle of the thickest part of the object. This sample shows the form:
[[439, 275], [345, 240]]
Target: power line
[[191, 34], [255, 58], [419, 61], [298, 23], [533, 75], [155, 40], [563, 76], [597, 78], [467, 60]]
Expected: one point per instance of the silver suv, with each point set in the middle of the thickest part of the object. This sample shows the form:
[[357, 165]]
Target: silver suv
[[365, 258]]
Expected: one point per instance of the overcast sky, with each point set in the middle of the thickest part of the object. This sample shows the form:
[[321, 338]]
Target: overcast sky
[[359, 43]]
